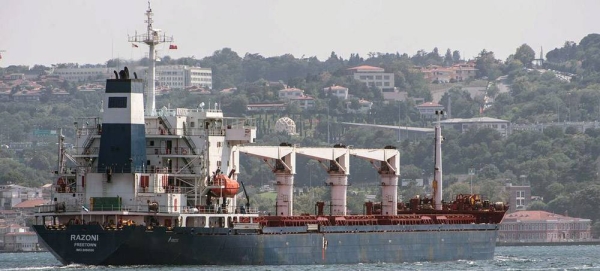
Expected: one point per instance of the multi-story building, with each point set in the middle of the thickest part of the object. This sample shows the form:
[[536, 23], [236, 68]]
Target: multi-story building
[[81, 74], [21, 241], [454, 73], [290, 93], [296, 96], [338, 91], [304, 102], [201, 77], [11, 195], [464, 125], [519, 196], [427, 110], [182, 76], [541, 226], [173, 76], [374, 77]]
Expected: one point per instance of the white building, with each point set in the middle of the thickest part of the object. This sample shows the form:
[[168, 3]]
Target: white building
[[338, 91], [374, 77], [541, 226], [77, 74], [463, 125], [182, 76], [197, 76], [427, 110], [11, 195], [21, 241], [290, 93]]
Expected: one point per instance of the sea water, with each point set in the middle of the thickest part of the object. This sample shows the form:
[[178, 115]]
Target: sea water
[[507, 258]]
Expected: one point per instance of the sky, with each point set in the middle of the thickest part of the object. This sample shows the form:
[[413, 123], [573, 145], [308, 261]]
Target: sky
[[90, 32]]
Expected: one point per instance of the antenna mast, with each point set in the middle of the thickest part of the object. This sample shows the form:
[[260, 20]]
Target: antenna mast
[[152, 38]]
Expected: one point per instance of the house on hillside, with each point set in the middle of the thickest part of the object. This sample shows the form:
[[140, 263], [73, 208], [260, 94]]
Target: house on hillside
[[374, 77], [338, 91]]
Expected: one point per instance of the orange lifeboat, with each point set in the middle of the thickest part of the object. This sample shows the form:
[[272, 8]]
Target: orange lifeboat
[[230, 187]]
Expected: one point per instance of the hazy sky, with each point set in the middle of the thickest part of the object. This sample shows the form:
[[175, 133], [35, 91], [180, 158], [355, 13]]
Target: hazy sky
[[58, 31]]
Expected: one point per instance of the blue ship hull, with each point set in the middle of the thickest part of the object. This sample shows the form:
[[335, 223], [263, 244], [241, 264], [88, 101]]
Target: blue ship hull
[[136, 245]]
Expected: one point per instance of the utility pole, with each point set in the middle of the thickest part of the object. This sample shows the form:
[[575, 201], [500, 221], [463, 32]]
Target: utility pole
[[328, 124], [399, 118], [471, 173]]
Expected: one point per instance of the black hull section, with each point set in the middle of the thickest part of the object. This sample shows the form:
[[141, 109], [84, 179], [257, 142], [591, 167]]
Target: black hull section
[[92, 245]]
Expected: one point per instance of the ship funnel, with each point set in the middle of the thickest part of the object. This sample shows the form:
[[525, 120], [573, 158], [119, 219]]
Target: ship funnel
[[123, 141]]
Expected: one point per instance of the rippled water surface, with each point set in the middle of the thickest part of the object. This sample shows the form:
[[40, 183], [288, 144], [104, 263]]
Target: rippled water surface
[[507, 258]]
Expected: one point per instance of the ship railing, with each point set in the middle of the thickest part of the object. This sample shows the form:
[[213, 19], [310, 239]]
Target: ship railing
[[164, 112], [239, 123], [218, 210], [244, 210], [167, 189], [141, 169], [86, 151], [189, 131], [169, 151], [46, 208], [216, 132]]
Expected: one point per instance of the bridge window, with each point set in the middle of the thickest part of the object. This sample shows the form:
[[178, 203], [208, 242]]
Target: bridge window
[[117, 102]]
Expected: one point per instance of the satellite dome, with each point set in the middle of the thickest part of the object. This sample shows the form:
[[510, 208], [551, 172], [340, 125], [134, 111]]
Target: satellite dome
[[285, 125]]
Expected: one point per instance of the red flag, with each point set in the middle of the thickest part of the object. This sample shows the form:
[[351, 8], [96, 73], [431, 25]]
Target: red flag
[[172, 46], [134, 45]]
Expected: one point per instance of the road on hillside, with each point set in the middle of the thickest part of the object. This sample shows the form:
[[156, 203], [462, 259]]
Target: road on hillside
[[501, 84]]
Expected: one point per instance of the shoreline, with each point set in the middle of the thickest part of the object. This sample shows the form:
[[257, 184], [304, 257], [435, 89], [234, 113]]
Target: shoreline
[[564, 243]]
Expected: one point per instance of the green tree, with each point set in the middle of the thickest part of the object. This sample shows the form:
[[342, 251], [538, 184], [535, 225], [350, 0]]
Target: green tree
[[596, 230], [487, 65], [456, 56], [448, 60], [537, 205], [525, 54]]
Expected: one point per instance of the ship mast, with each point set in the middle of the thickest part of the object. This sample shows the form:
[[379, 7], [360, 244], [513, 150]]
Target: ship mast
[[152, 38], [437, 177]]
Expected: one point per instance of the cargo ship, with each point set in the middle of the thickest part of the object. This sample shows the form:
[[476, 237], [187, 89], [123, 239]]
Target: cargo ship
[[160, 187]]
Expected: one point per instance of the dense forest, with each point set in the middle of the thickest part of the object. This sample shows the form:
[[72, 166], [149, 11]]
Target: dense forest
[[561, 165]]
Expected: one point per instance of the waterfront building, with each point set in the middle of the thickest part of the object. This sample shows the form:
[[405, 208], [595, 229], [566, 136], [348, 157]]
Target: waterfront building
[[541, 226]]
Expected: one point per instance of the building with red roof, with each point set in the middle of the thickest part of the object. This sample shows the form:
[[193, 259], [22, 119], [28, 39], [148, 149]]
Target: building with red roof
[[454, 73], [338, 91], [541, 226]]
